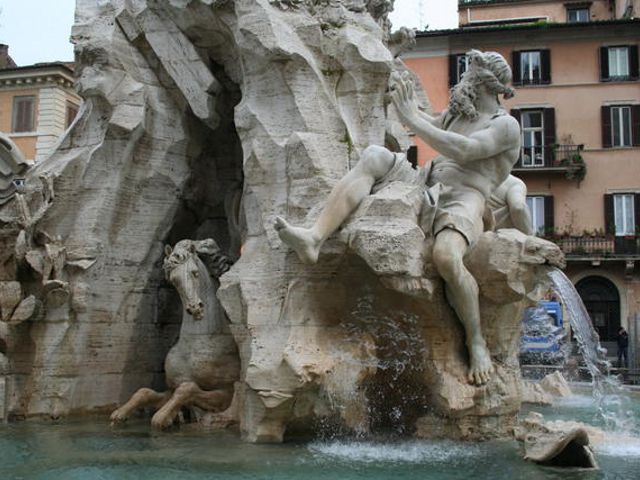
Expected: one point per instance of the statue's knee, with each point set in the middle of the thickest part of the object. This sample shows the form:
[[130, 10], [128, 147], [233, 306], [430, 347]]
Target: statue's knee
[[447, 262], [376, 161]]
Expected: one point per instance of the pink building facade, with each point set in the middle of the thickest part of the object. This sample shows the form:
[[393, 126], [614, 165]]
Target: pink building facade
[[577, 99]]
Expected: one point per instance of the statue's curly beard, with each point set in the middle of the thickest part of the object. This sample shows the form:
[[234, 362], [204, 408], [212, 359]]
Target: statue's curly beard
[[462, 99]]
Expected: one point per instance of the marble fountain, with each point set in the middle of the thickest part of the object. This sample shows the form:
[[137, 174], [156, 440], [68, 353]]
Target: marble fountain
[[228, 250]]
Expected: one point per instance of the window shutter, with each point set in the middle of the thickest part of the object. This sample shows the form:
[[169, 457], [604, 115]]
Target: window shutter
[[453, 70], [23, 114], [549, 135], [609, 217], [549, 214], [635, 125], [604, 63], [412, 156], [636, 207], [515, 67], [634, 74], [29, 120], [545, 59], [606, 127]]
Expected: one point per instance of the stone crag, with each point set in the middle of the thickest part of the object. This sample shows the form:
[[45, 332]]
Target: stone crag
[[207, 119]]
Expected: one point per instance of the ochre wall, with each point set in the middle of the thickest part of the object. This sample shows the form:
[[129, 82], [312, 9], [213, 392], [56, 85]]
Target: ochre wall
[[26, 142], [555, 11], [434, 73]]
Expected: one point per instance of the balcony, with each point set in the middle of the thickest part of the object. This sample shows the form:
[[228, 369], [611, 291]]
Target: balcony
[[565, 159], [599, 247]]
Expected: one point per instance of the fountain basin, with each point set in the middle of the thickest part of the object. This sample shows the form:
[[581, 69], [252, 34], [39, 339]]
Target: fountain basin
[[88, 449]]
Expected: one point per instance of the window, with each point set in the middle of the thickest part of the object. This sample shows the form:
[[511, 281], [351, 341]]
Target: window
[[532, 138], [624, 215], [23, 114], [72, 111], [620, 126], [536, 207], [619, 63], [622, 219], [541, 208], [532, 67], [577, 15], [458, 64], [538, 136]]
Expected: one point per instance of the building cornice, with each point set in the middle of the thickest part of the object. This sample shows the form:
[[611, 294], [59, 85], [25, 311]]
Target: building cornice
[[489, 3], [38, 75], [540, 27]]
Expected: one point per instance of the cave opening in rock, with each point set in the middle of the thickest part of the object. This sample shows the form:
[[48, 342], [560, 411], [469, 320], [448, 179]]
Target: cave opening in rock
[[211, 201]]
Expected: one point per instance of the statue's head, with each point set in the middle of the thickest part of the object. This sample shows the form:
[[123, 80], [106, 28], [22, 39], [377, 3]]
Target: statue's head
[[491, 70], [487, 73], [184, 269]]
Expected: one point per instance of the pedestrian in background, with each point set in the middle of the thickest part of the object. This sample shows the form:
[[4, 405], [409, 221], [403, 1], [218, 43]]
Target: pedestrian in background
[[623, 345]]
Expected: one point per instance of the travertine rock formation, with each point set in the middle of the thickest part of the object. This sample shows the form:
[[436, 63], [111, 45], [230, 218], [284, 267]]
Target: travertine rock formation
[[543, 392], [558, 444], [207, 119]]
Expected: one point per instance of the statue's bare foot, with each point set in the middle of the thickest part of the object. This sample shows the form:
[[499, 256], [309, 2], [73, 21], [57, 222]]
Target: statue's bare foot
[[300, 239], [481, 367]]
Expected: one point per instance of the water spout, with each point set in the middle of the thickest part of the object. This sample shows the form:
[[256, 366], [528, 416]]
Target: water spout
[[608, 392]]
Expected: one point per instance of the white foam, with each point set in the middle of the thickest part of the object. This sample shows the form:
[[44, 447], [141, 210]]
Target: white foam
[[619, 446], [576, 401], [401, 452]]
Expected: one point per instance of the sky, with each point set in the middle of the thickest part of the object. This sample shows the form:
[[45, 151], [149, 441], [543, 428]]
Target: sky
[[39, 30]]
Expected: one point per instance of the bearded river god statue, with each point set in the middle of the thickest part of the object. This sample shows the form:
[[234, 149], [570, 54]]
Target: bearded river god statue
[[211, 119], [479, 144]]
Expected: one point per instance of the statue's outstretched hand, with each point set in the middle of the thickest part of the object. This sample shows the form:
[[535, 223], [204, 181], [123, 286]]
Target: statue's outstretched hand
[[401, 90]]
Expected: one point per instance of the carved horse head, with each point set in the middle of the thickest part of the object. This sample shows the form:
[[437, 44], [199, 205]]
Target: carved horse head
[[184, 269]]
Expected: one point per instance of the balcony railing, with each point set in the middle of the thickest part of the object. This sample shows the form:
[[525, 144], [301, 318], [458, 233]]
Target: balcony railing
[[564, 158], [599, 246]]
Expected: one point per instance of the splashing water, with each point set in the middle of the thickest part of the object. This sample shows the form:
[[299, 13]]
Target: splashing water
[[609, 394], [399, 452], [391, 395]]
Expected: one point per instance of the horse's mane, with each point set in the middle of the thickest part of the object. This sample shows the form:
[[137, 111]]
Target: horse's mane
[[216, 264]]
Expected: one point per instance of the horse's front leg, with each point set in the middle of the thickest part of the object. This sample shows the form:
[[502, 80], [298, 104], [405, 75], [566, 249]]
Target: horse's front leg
[[142, 398], [188, 394], [227, 417]]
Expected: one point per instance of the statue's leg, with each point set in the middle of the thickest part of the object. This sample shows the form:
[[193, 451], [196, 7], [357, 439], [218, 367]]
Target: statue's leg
[[374, 164], [462, 291], [142, 398], [188, 394]]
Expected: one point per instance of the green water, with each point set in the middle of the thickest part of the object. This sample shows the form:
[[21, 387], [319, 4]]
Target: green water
[[92, 450]]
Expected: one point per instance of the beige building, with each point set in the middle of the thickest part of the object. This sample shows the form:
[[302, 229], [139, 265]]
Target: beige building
[[576, 74], [37, 104]]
